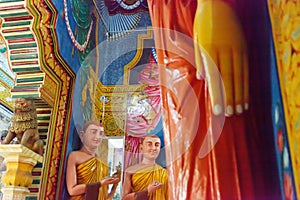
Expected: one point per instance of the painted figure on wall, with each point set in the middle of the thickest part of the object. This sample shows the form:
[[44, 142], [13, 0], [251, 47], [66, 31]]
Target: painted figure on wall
[[143, 112], [88, 83], [87, 176]]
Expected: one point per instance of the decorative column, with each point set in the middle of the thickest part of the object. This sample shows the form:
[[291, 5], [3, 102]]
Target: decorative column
[[17, 178]]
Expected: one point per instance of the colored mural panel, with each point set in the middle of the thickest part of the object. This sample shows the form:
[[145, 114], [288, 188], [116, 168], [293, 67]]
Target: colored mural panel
[[285, 24], [282, 147], [27, 27], [118, 91], [113, 57]]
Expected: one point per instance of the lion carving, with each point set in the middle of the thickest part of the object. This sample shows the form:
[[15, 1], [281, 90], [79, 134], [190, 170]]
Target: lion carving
[[24, 126]]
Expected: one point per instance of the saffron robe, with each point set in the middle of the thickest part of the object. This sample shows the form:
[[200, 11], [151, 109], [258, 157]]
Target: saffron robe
[[91, 171], [144, 177]]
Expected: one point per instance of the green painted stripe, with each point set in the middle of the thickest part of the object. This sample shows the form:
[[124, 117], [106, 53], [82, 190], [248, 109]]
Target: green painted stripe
[[35, 79], [31, 198], [26, 69], [11, 24], [36, 181], [6, 79], [22, 46], [27, 86], [43, 118], [24, 56], [25, 96], [13, 37], [7, 1], [20, 14]]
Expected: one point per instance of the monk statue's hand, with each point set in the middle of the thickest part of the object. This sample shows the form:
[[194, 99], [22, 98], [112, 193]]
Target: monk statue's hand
[[109, 180], [154, 186], [221, 55]]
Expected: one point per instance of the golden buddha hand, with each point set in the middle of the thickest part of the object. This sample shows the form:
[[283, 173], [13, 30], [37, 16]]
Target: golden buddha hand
[[221, 54]]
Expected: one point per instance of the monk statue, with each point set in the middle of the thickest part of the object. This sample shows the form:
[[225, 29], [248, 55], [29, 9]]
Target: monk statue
[[24, 126], [146, 180], [87, 177]]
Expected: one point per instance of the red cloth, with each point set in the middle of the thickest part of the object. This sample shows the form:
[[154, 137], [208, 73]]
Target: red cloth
[[225, 172]]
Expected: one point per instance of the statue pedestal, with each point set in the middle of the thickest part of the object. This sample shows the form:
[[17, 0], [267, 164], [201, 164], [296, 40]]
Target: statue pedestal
[[17, 178]]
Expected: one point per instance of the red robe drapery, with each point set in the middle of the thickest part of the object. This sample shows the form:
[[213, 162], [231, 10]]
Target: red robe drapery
[[225, 172]]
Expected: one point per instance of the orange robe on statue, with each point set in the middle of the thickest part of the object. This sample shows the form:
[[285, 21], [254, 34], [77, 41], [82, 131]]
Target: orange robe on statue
[[224, 173], [91, 171]]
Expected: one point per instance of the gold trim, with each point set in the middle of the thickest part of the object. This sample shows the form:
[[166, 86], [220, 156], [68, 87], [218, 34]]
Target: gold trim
[[137, 57], [5, 94]]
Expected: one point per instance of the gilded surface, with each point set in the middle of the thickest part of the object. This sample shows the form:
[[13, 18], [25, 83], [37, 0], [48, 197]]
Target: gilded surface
[[18, 174], [37, 28], [24, 126], [5, 95], [285, 18], [44, 15], [138, 55], [19, 162], [49, 90], [114, 109]]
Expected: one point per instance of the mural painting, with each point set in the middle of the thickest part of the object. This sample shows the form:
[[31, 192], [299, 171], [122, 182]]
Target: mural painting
[[110, 77]]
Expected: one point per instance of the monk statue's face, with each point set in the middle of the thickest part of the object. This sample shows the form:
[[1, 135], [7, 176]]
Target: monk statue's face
[[92, 137], [150, 147]]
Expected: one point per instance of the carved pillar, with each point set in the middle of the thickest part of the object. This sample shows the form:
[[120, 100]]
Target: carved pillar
[[19, 164]]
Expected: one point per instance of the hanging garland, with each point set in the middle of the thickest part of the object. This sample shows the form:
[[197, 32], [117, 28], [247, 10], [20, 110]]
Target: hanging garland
[[80, 47]]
